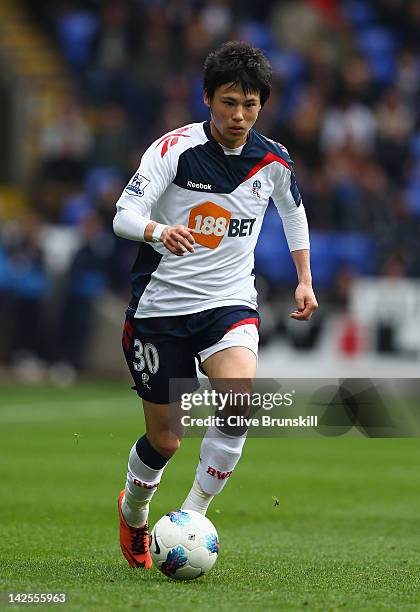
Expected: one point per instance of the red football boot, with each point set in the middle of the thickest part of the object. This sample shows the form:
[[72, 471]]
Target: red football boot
[[134, 541]]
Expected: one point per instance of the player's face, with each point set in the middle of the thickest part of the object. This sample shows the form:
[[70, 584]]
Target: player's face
[[233, 113]]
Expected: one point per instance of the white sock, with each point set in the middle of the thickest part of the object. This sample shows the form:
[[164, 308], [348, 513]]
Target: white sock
[[197, 499], [140, 487], [219, 455]]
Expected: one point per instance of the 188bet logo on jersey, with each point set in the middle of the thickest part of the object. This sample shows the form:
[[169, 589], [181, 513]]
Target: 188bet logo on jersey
[[210, 222]]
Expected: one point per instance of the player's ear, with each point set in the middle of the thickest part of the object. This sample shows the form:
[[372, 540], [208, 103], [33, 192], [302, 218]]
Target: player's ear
[[206, 99]]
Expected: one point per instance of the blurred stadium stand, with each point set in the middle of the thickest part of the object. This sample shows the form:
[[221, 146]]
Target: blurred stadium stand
[[85, 86]]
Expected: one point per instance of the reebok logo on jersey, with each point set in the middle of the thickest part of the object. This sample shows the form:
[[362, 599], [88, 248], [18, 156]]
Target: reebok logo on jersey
[[202, 186]]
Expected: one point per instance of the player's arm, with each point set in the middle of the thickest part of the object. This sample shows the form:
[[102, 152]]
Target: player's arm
[[305, 297], [131, 225], [176, 239], [292, 212], [132, 220]]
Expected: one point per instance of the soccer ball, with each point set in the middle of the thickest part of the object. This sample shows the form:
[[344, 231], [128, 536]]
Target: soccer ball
[[184, 545]]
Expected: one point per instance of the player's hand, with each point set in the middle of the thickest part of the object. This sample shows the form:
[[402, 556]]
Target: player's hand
[[306, 302], [178, 240]]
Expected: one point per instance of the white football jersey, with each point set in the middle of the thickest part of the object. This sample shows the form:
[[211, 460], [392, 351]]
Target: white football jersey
[[186, 177]]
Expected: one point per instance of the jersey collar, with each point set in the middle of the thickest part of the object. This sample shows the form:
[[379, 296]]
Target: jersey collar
[[249, 140]]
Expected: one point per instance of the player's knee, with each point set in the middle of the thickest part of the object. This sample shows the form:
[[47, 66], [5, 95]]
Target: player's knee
[[238, 399], [165, 442]]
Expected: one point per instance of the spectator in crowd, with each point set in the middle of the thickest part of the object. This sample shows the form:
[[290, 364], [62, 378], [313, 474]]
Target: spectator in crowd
[[86, 283], [64, 148], [24, 287]]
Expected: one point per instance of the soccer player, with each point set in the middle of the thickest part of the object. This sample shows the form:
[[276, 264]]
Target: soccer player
[[196, 206]]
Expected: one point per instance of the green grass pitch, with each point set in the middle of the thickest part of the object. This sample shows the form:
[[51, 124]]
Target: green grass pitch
[[345, 535]]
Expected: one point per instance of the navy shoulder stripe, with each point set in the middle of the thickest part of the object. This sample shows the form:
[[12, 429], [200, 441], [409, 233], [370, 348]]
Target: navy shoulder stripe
[[206, 168], [275, 147]]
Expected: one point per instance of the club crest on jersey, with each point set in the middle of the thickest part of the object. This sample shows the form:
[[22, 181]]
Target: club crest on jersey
[[137, 185], [256, 186]]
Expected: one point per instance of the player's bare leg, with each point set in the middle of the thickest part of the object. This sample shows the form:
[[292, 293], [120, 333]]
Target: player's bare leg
[[233, 362], [220, 450], [163, 427], [147, 460]]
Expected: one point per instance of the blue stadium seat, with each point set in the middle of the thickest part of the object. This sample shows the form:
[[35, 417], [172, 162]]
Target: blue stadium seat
[[360, 13], [76, 32], [412, 195], [412, 191], [382, 69], [272, 256], [26, 280], [323, 261], [379, 44], [89, 283], [289, 64], [376, 42], [330, 252], [273, 260], [76, 208], [4, 271], [415, 146], [97, 177], [355, 250], [256, 33]]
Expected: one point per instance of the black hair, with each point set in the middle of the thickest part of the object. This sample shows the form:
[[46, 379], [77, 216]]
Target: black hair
[[239, 63]]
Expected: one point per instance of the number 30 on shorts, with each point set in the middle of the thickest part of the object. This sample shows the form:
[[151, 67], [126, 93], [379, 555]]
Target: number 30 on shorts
[[146, 355]]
